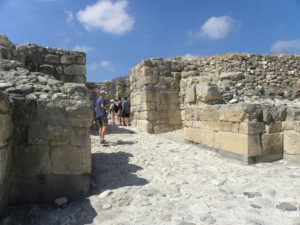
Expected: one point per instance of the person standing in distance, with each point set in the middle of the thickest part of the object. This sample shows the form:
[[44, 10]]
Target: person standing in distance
[[101, 115]]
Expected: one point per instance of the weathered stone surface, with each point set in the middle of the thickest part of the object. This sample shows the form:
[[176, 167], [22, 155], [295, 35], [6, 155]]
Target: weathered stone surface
[[52, 59], [232, 76], [75, 70], [208, 92], [190, 94], [291, 142], [241, 144], [240, 112], [272, 143], [68, 59], [201, 136], [286, 206], [251, 128]]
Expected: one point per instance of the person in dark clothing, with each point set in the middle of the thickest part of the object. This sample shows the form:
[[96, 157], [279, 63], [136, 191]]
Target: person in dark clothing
[[101, 115], [119, 103], [126, 112]]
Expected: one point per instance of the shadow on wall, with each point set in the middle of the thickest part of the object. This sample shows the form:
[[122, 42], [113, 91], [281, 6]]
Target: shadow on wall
[[112, 170]]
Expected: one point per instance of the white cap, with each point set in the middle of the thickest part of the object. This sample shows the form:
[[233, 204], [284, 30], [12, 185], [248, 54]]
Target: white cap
[[112, 100], [103, 92]]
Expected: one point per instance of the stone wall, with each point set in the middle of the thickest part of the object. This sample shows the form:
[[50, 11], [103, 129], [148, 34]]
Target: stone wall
[[5, 148], [48, 155], [115, 88], [154, 96], [67, 66], [240, 105]]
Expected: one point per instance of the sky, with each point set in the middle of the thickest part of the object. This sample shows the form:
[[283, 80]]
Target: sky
[[117, 34]]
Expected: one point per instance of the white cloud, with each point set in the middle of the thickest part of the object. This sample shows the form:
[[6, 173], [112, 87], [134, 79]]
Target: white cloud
[[290, 46], [82, 48], [217, 27], [70, 16], [104, 64], [189, 56], [109, 16]]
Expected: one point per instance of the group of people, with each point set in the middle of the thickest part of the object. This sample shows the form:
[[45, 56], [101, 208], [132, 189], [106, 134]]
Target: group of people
[[117, 108]]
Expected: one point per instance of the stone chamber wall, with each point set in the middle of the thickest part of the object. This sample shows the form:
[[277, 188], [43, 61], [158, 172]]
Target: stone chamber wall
[[44, 136], [243, 106], [116, 88], [67, 66]]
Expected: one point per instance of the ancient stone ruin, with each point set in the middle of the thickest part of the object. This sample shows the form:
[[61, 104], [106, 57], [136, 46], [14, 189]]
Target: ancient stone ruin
[[242, 106], [44, 124]]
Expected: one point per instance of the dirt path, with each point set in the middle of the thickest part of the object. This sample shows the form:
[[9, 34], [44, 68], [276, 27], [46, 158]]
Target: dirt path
[[143, 179]]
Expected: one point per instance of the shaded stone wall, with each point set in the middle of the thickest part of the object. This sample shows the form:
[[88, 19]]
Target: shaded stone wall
[[48, 155], [240, 105], [5, 148], [115, 88], [67, 66]]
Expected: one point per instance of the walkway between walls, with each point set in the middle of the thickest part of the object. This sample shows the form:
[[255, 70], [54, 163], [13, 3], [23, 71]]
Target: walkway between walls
[[151, 179]]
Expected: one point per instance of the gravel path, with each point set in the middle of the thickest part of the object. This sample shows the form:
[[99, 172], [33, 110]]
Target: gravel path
[[143, 179]]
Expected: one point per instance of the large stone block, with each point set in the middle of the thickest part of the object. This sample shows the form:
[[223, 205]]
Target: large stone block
[[80, 115], [208, 92], [52, 59], [68, 59], [70, 160], [31, 160], [274, 127], [241, 112], [202, 113], [5, 128], [190, 94], [80, 137], [272, 143], [291, 142], [3, 164], [75, 70], [251, 127], [200, 136], [241, 144], [4, 103]]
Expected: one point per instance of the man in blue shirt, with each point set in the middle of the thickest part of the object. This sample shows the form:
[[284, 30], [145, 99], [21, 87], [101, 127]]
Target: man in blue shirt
[[101, 115], [126, 112]]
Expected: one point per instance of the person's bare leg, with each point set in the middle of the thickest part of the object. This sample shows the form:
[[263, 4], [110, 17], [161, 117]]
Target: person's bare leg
[[103, 131], [100, 134]]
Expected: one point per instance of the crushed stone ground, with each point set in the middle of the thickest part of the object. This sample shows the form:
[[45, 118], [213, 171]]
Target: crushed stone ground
[[147, 179]]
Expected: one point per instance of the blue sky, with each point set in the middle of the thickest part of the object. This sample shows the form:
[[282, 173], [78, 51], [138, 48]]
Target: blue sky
[[118, 34]]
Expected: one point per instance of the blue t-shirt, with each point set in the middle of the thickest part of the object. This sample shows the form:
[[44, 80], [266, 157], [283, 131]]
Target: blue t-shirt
[[126, 106], [99, 110]]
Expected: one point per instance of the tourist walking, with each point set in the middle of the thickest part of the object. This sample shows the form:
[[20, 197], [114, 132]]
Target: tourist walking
[[126, 112], [120, 111], [101, 115], [112, 110]]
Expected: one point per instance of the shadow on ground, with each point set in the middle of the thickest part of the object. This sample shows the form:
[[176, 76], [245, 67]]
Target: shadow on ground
[[112, 129], [112, 171]]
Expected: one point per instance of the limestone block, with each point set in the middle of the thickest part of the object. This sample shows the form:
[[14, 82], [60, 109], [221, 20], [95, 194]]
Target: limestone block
[[3, 164], [275, 127], [297, 126], [242, 144], [293, 114], [57, 134], [80, 137], [75, 70], [31, 160], [190, 94], [145, 125], [201, 136], [207, 92], [4, 103], [80, 115], [5, 128], [288, 125], [291, 142], [189, 74], [202, 113], [272, 143], [50, 112], [251, 127], [162, 129], [174, 118], [68, 59], [70, 160], [146, 71], [81, 59], [52, 59], [240, 112], [223, 126]]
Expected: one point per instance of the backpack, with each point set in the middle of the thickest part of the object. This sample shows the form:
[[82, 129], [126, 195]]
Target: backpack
[[116, 108]]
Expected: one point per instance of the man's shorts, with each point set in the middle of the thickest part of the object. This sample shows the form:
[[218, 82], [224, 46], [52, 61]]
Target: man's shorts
[[126, 115], [102, 120]]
